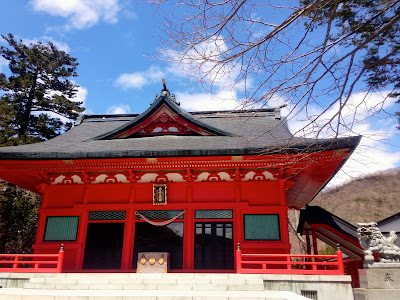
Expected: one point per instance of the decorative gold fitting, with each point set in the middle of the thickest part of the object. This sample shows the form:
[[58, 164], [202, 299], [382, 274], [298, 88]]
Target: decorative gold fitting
[[143, 260], [161, 259], [152, 261]]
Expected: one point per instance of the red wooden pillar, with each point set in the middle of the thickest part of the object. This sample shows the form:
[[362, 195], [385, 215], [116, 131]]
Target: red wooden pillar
[[129, 238], [237, 232], [188, 239], [81, 238]]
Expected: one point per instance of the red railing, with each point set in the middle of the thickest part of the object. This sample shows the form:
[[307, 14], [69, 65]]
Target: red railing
[[32, 263], [289, 264]]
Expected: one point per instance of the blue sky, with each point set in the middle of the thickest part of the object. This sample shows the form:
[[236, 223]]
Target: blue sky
[[115, 42]]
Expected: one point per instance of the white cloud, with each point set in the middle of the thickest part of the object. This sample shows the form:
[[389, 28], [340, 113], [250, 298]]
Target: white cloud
[[361, 108], [81, 95], [369, 157], [223, 100], [199, 62], [80, 13], [139, 79], [362, 115], [120, 109]]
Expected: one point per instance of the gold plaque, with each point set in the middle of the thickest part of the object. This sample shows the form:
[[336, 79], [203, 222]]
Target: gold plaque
[[159, 194], [161, 260], [152, 261], [143, 261]]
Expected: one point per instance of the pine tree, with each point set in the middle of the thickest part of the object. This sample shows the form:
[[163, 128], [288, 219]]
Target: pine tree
[[37, 89], [39, 84]]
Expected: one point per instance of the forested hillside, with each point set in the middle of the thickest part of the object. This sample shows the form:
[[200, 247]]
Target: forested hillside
[[367, 199]]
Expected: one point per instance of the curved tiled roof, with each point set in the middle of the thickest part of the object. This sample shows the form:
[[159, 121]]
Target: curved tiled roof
[[235, 133]]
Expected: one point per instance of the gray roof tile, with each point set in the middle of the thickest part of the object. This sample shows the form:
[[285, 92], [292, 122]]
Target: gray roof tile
[[251, 132]]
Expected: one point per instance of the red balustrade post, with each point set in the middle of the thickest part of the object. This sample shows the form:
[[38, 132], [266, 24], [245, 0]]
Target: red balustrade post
[[288, 262], [238, 259], [15, 264], [340, 260], [60, 259]]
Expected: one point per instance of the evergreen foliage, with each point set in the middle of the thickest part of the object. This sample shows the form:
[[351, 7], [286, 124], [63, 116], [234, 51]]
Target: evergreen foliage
[[374, 26], [37, 89], [39, 84], [19, 218]]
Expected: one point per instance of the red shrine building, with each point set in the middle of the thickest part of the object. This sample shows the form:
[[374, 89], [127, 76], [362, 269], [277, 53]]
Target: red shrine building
[[193, 184]]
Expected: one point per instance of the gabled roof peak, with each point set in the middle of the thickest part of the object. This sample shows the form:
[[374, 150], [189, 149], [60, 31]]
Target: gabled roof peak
[[166, 94], [163, 117]]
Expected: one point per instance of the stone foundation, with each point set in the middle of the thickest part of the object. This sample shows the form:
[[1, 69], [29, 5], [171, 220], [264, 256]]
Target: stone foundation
[[378, 283]]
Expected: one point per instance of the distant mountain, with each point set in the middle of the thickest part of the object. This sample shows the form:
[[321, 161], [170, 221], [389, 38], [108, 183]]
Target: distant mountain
[[368, 199]]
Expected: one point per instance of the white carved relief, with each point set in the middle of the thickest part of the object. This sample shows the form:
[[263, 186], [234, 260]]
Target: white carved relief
[[121, 178], [77, 179], [58, 180], [159, 178], [100, 179], [202, 177], [148, 177], [175, 177], [269, 176], [225, 176], [249, 176]]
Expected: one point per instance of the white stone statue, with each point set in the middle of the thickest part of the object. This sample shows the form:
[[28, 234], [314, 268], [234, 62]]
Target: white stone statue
[[373, 241]]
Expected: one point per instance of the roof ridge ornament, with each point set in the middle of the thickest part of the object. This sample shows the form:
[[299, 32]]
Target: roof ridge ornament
[[166, 93]]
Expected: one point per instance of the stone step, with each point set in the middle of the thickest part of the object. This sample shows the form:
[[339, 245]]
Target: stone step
[[171, 281], [42, 294], [138, 286], [141, 280]]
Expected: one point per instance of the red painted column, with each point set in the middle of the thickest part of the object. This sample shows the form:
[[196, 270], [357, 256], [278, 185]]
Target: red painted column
[[81, 238], [188, 240], [238, 235], [129, 237]]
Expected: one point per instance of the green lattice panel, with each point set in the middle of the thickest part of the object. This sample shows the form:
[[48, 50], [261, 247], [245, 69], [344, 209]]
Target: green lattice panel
[[107, 215], [61, 228], [214, 214]]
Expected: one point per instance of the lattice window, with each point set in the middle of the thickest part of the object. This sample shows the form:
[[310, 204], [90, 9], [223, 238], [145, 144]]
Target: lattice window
[[214, 214], [61, 228], [107, 215], [261, 227], [159, 214]]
